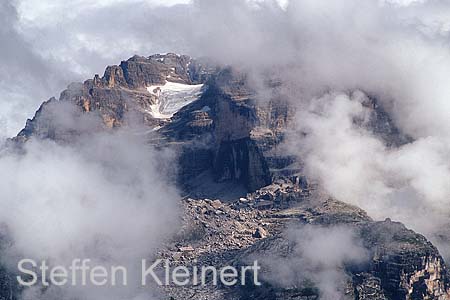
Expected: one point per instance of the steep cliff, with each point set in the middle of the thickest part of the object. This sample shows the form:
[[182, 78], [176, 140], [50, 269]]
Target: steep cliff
[[210, 117]]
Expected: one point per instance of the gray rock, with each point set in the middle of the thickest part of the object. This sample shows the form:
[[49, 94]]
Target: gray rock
[[260, 233]]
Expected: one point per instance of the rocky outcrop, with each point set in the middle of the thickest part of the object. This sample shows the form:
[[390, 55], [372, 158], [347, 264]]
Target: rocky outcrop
[[141, 72], [402, 264], [368, 287], [381, 124], [225, 121], [241, 160], [398, 264], [119, 97], [219, 123], [408, 266]]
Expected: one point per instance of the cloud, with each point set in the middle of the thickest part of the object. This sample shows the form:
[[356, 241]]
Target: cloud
[[321, 51], [396, 52], [319, 256], [407, 183], [106, 196], [317, 45]]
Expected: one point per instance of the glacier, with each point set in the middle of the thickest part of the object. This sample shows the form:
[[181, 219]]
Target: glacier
[[171, 97]]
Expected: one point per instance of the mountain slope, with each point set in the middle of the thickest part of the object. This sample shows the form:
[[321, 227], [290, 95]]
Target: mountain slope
[[229, 148]]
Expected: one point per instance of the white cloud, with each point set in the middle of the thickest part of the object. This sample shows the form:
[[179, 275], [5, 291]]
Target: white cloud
[[46, 12], [397, 52], [409, 184], [319, 255], [107, 198]]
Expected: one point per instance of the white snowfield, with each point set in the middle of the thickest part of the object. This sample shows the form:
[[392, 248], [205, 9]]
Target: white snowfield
[[171, 97]]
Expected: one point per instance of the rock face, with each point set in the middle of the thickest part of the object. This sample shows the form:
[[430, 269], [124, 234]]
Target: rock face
[[402, 264], [381, 124], [241, 160], [218, 125], [227, 141], [121, 91], [398, 250], [367, 286], [241, 134], [7, 288]]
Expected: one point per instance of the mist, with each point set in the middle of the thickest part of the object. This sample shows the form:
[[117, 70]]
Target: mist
[[408, 183], [105, 196], [318, 258], [329, 57]]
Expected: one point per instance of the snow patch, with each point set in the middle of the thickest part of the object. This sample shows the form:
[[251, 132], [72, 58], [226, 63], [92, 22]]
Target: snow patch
[[171, 97]]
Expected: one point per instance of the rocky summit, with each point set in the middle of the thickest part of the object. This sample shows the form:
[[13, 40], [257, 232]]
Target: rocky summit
[[242, 194]]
